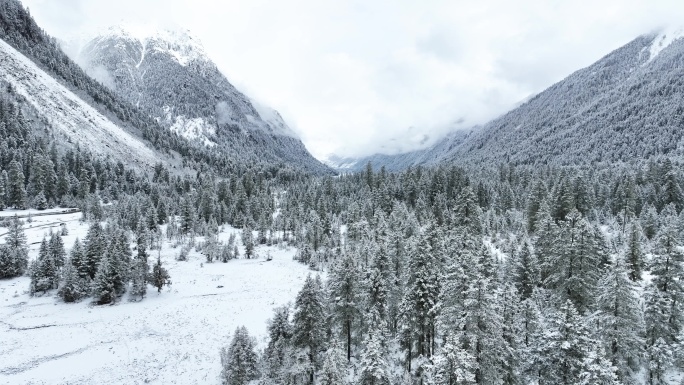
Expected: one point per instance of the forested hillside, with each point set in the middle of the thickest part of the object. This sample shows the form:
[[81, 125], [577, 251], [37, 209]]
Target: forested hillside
[[626, 107]]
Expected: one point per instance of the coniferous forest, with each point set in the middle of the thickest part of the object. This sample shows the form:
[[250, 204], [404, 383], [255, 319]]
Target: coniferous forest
[[463, 272]]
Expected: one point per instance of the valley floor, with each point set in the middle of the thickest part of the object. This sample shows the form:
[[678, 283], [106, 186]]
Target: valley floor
[[172, 337]]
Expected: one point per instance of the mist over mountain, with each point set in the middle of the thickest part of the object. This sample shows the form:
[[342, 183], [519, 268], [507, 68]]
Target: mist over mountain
[[626, 106]]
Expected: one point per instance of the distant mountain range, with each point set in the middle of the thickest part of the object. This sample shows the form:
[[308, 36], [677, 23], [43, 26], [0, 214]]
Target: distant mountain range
[[627, 106]]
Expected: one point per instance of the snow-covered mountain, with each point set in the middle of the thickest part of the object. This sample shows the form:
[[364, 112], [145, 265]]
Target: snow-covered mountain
[[168, 73], [628, 105], [67, 115]]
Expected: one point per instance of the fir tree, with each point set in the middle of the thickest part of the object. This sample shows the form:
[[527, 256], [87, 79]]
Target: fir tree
[[239, 360], [334, 371], [374, 367], [140, 270], [453, 365], [620, 320], [14, 255], [94, 249], [73, 287], [44, 271], [160, 277], [635, 258], [17, 192], [344, 297], [309, 329], [105, 282]]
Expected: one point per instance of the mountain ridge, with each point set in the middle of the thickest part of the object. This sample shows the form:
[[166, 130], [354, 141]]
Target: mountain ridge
[[625, 106], [168, 74]]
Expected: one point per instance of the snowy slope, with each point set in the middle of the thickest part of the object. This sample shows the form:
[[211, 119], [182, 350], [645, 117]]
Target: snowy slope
[[71, 117], [169, 338], [663, 40]]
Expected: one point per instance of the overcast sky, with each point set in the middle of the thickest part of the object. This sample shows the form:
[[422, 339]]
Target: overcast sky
[[357, 77]]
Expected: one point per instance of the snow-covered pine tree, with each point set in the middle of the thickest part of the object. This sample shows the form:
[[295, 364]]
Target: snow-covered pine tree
[[574, 265], [334, 371], [664, 301], [248, 241], [140, 270], [56, 246], [526, 270], [453, 365], [105, 282], [95, 244], [308, 332], [16, 260], [17, 192], [239, 360], [345, 298], [620, 319], [374, 368], [635, 255], [73, 287], [160, 276], [44, 271]]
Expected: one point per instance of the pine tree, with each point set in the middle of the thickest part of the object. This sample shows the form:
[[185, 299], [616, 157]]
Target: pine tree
[[160, 277], [44, 271], [635, 257], [568, 346], [454, 365], [344, 297], [94, 249], [56, 247], [279, 343], [334, 371], [374, 366], [140, 270], [14, 255], [535, 199], [663, 305], [248, 241], [104, 284], [73, 287], [239, 360], [78, 259], [17, 192], [620, 319], [575, 262], [526, 270], [309, 327]]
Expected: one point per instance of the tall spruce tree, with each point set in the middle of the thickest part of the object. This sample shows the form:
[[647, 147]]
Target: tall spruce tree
[[308, 333], [239, 360]]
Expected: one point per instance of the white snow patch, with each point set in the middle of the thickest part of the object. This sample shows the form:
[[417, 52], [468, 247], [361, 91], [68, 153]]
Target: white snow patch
[[191, 128], [664, 39], [76, 119], [172, 337]]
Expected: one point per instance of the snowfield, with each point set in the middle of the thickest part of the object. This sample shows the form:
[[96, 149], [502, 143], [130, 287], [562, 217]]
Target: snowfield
[[172, 337], [69, 114]]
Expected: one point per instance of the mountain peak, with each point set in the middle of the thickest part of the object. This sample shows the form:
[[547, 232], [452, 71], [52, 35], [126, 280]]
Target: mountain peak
[[178, 42], [663, 39]]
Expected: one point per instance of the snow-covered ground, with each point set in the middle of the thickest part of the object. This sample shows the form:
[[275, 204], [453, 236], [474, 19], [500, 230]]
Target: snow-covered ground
[[172, 337]]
